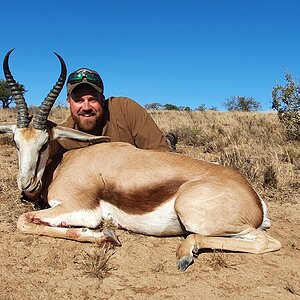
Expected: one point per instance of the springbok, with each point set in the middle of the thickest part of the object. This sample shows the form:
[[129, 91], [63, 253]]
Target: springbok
[[147, 192]]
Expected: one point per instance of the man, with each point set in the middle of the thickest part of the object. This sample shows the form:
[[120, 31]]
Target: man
[[120, 118]]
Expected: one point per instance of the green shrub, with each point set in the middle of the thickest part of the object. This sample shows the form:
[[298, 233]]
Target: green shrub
[[286, 101]]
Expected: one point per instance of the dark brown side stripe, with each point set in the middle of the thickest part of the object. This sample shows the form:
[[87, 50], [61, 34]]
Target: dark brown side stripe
[[140, 200]]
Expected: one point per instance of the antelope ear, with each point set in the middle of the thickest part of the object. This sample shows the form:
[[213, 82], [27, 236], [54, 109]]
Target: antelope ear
[[59, 132], [7, 128]]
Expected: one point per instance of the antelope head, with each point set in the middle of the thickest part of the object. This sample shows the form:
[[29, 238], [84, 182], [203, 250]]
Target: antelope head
[[32, 137]]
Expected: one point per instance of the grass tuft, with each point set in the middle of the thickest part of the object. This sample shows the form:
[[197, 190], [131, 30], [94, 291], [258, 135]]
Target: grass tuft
[[270, 178], [219, 260], [97, 263]]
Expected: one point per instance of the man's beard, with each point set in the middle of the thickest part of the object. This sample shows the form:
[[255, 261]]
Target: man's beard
[[86, 125]]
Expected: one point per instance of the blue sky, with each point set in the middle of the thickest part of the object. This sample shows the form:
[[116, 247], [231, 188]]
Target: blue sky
[[186, 53]]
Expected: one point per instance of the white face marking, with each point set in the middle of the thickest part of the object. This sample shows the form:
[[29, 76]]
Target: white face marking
[[32, 161]]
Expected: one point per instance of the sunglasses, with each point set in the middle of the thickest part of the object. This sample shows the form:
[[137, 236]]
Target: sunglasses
[[90, 77]]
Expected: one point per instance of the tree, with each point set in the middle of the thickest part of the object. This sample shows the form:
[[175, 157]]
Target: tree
[[158, 106], [154, 106], [286, 100], [5, 93], [184, 108], [242, 103], [170, 107], [201, 107]]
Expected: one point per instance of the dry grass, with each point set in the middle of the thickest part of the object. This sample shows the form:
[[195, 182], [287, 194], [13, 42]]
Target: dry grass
[[220, 259], [108, 223], [7, 115], [97, 263]]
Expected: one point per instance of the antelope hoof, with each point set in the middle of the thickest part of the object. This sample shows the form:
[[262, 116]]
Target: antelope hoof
[[184, 262], [111, 237]]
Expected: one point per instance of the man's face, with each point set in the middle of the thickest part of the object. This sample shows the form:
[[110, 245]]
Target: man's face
[[85, 107]]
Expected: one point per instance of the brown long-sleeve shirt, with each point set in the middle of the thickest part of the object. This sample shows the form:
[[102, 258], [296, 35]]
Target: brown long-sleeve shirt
[[124, 120]]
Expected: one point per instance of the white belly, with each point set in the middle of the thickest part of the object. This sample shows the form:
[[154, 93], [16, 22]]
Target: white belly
[[162, 221]]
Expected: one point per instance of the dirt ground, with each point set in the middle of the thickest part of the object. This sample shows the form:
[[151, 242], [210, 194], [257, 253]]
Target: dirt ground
[[36, 267]]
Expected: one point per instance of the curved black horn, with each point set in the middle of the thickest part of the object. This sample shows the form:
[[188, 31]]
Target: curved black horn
[[40, 119], [23, 119]]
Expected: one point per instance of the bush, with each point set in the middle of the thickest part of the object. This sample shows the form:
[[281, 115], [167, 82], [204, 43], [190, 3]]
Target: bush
[[241, 103], [286, 101]]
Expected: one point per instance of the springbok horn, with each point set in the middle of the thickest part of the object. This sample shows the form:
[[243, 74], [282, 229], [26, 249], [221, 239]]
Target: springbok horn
[[23, 119], [40, 119]]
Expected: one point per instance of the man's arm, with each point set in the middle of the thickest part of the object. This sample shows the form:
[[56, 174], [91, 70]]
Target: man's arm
[[145, 131]]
